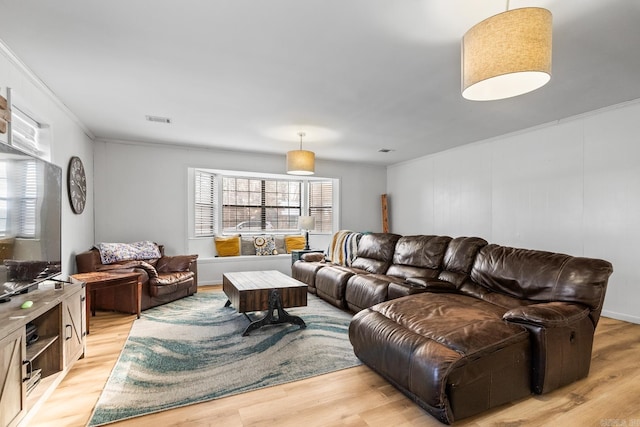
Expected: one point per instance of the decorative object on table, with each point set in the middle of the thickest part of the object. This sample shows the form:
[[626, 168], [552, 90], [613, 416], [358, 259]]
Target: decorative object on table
[[77, 185], [506, 55], [301, 162], [306, 223], [190, 351]]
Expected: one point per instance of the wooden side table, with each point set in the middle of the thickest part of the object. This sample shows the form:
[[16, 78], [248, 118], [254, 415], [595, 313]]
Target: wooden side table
[[97, 280]]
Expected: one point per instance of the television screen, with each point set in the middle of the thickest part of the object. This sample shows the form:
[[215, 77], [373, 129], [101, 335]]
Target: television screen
[[30, 221]]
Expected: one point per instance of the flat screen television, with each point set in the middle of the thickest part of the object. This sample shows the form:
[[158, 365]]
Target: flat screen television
[[30, 221]]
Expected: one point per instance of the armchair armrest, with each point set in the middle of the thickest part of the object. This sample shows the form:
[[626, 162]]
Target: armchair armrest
[[174, 263], [433, 285], [549, 315]]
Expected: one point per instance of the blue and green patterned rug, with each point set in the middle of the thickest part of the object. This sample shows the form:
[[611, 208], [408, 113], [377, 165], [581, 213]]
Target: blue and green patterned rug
[[191, 351]]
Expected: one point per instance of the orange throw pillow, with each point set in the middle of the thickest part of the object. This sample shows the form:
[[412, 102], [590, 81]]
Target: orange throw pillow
[[227, 245], [294, 242]]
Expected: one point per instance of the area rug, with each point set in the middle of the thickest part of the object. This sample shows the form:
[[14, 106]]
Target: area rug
[[192, 350]]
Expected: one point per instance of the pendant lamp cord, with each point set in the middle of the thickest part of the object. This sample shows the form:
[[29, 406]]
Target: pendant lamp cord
[[507, 5], [301, 135]]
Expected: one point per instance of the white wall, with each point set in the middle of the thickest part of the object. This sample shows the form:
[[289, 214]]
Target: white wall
[[68, 139], [141, 192], [571, 187]]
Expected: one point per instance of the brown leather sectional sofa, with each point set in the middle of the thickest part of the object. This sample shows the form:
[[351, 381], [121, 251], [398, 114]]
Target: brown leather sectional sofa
[[460, 325], [165, 279]]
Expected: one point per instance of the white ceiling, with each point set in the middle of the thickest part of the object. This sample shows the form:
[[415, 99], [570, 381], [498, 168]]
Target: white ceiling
[[355, 75]]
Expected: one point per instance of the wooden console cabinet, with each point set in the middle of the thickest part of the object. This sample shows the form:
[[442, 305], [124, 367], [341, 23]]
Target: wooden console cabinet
[[58, 315]]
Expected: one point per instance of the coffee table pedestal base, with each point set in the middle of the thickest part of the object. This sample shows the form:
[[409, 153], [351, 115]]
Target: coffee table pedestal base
[[275, 304]]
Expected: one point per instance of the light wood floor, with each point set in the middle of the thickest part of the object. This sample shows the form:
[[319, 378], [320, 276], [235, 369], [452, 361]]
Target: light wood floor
[[610, 396]]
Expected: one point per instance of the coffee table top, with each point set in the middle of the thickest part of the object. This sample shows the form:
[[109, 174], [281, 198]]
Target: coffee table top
[[270, 279], [251, 290]]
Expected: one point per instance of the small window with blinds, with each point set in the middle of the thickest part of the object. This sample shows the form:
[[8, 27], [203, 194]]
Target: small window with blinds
[[206, 202], [321, 205], [27, 131]]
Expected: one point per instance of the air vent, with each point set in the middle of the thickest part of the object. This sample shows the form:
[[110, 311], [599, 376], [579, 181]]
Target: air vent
[[158, 119], [385, 150]]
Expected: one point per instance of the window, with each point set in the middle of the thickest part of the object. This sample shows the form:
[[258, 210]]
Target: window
[[254, 204], [227, 202], [27, 131], [321, 204], [205, 202]]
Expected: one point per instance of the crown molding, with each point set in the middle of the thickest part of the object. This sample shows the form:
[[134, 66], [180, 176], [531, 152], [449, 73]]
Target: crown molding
[[34, 79]]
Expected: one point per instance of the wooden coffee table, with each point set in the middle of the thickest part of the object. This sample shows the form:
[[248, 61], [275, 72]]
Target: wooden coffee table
[[264, 290], [99, 280]]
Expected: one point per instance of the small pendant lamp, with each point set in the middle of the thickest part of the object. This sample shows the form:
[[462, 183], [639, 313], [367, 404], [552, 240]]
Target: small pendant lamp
[[301, 162], [506, 55]]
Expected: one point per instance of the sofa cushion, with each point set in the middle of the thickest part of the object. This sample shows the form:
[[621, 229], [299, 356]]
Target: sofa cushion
[[375, 252], [420, 251], [364, 290], [452, 353], [459, 257], [165, 279], [227, 245], [542, 276]]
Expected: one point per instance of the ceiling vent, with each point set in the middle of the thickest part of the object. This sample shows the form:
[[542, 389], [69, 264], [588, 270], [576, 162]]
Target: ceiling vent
[[158, 119], [385, 150]]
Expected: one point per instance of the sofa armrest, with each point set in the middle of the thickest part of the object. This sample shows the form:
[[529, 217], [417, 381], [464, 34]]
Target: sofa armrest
[[561, 342], [168, 264], [88, 261], [313, 257], [432, 285], [549, 315]]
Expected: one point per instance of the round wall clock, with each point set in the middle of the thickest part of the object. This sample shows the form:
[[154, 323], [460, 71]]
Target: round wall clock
[[77, 183]]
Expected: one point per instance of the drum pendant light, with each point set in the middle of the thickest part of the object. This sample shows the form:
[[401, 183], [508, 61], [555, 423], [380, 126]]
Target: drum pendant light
[[506, 55], [301, 162]]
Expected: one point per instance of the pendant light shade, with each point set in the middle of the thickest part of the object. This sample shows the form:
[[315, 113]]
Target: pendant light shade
[[301, 162], [507, 55]]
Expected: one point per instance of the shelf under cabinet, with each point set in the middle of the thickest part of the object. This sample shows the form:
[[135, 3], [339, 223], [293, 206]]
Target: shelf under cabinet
[[38, 347]]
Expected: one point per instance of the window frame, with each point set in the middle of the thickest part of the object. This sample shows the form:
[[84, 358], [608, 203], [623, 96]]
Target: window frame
[[304, 197]]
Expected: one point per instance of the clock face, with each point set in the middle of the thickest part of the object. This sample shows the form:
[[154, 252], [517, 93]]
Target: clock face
[[77, 182]]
